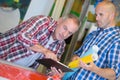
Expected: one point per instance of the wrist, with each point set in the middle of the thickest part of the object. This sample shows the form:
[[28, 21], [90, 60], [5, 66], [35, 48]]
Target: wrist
[[96, 70], [45, 51]]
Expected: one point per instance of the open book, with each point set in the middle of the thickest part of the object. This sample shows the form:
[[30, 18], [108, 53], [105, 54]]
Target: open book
[[89, 56], [52, 63]]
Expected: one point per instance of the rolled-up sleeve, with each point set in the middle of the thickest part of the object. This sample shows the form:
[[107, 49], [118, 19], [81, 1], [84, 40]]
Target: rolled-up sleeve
[[33, 26], [114, 58]]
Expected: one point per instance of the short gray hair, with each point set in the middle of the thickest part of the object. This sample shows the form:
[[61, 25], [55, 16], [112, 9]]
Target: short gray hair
[[73, 17]]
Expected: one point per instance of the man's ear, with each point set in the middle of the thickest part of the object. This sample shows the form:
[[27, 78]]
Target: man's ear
[[112, 15]]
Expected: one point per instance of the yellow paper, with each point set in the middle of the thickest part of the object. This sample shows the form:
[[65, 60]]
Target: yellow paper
[[86, 59]]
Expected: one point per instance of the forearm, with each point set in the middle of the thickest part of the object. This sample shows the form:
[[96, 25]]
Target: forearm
[[29, 33], [39, 48], [106, 73], [45, 51]]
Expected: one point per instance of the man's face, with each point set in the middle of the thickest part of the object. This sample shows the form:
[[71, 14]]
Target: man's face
[[103, 16], [65, 28]]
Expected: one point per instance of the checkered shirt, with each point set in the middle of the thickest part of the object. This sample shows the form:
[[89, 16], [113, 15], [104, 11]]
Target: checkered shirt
[[108, 40], [15, 42]]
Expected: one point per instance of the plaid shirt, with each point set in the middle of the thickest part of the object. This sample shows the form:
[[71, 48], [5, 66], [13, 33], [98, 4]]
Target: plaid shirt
[[15, 42], [108, 40]]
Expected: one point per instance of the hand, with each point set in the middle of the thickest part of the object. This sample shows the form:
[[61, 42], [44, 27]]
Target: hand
[[58, 72], [46, 52], [107, 73], [75, 57], [91, 66], [50, 54]]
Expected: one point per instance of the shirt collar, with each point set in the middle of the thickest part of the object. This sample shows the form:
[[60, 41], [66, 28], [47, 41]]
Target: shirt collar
[[107, 29]]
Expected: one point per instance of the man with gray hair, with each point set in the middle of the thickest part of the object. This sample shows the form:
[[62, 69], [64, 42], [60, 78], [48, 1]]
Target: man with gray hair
[[36, 38]]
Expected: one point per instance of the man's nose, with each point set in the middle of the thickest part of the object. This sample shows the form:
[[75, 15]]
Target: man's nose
[[97, 17]]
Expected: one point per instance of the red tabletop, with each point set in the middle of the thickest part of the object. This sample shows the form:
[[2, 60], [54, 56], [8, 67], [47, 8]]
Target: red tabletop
[[15, 72]]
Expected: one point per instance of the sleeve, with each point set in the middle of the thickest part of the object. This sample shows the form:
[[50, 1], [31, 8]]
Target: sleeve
[[33, 26], [60, 50], [79, 51], [114, 58], [85, 43]]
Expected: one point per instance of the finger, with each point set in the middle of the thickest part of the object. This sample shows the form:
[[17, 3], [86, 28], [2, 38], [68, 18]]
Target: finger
[[50, 73], [83, 64], [60, 71], [55, 70]]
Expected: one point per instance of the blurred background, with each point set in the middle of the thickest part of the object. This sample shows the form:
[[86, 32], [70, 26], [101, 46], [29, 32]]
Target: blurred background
[[13, 12]]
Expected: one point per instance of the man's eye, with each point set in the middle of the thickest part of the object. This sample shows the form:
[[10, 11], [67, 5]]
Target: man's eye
[[65, 28], [100, 14]]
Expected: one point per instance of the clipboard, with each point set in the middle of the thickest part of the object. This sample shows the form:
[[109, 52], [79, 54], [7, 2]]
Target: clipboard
[[52, 63]]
